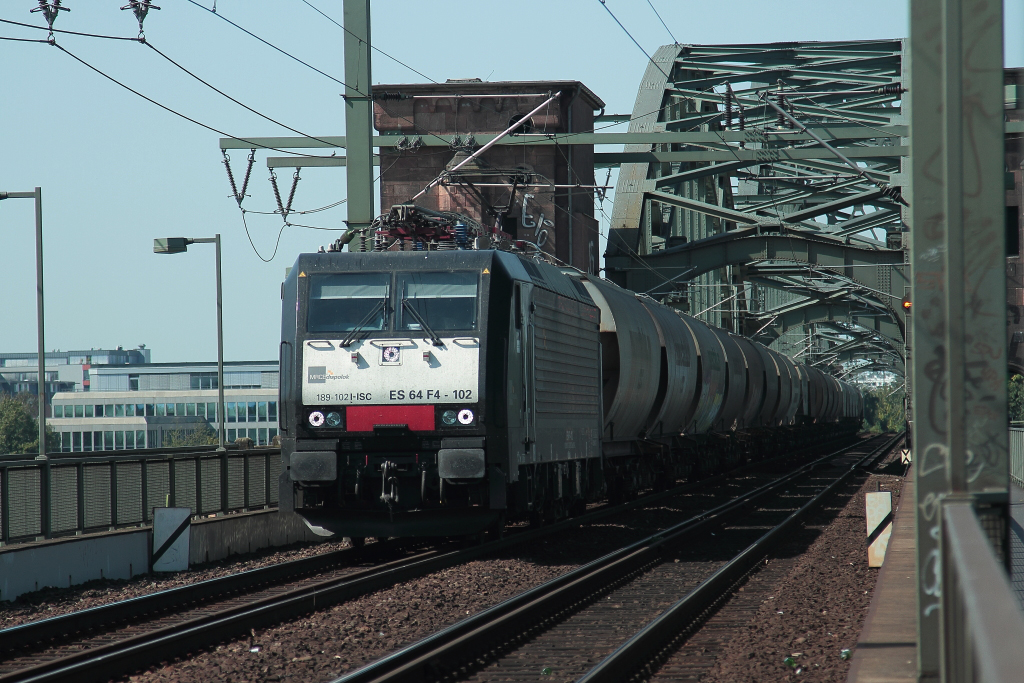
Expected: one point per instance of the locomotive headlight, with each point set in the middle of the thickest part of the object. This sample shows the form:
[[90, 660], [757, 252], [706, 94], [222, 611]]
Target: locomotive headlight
[[448, 417], [316, 418], [333, 419], [465, 416]]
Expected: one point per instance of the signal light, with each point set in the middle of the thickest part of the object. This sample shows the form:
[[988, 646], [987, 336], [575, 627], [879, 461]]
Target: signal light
[[907, 303]]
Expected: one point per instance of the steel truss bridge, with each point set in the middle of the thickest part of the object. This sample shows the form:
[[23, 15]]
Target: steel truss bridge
[[765, 195]]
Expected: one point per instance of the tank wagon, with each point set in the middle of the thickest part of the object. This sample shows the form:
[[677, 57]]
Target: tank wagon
[[440, 392]]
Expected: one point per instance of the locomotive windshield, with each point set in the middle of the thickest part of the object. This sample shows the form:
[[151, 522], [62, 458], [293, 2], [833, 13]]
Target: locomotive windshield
[[341, 302], [443, 301]]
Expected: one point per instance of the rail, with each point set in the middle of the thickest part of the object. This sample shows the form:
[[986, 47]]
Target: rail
[[982, 623], [73, 494]]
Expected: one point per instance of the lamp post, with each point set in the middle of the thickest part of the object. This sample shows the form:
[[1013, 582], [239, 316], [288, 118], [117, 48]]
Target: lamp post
[[37, 195], [177, 245]]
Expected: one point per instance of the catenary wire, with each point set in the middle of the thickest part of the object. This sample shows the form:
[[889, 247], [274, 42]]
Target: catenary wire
[[372, 46], [25, 40], [71, 33], [269, 44], [165, 107], [150, 45], [658, 14], [612, 15]]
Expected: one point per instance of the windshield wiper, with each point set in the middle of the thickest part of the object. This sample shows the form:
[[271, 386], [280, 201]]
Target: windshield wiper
[[363, 323], [435, 340]]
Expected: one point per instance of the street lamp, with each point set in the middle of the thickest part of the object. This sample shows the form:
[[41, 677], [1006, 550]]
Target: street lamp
[[177, 245], [37, 195]]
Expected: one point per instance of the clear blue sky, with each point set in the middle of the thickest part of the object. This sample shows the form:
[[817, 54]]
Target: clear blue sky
[[117, 171]]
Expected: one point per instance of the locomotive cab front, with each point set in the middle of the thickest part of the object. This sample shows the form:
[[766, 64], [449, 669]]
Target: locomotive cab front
[[383, 375]]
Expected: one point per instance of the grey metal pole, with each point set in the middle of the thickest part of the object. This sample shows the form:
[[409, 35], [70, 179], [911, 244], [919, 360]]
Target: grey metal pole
[[220, 354], [39, 321], [358, 114]]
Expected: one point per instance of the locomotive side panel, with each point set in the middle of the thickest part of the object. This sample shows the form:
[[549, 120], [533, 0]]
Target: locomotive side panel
[[567, 355]]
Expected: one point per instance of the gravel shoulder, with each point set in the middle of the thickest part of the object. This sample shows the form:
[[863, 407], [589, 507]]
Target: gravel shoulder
[[52, 602], [808, 604]]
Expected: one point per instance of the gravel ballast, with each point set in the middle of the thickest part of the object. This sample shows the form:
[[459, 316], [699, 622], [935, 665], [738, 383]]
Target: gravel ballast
[[808, 604]]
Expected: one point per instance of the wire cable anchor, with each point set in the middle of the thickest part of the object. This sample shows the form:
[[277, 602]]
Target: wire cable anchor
[[140, 8], [50, 11]]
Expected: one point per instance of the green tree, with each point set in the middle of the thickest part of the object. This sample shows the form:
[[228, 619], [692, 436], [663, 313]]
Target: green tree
[[1015, 398], [19, 430], [884, 411], [203, 435]]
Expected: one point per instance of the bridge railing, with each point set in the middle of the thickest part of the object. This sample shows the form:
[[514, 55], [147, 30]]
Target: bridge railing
[[1017, 455], [71, 494], [982, 621]]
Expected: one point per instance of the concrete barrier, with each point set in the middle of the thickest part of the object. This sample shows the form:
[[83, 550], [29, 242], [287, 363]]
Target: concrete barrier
[[218, 537], [65, 562], [122, 554]]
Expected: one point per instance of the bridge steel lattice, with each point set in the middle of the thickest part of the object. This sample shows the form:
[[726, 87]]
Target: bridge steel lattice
[[773, 206]]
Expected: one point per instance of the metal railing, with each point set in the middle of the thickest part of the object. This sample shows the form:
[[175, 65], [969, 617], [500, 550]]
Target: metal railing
[[1017, 456], [70, 494], [982, 623]]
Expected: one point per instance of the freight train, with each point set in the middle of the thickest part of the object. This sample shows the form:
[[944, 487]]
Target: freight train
[[439, 392]]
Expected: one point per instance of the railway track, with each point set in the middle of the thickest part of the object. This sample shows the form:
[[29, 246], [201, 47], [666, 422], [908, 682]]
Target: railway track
[[112, 640], [626, 602]]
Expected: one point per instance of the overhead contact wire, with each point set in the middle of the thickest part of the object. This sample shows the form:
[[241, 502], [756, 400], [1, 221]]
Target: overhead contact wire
[[269, 44], [150, 45]]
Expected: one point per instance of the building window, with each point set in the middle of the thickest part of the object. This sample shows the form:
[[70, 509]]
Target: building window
[[179, 409], [133, 382], [88, 411], [203, 380], [200, 409], [252, 411], [118, 410], [261, 411], [272, 411], [273, 433], [97, 441], [86, 441], [119, 440], [231, 413], [262, 431], [65, 442], [76, 441], [140, 409], [58, 411], [252, 434], [129, 410], [231, 435], [78, 410], [129, 439], [108, 410], [161, 411], [190, 409], [211, 411], [140, 438], [108, 441], [150, 409]]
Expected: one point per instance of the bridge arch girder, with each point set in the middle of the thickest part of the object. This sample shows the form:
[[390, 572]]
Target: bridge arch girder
[[878, 272]]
